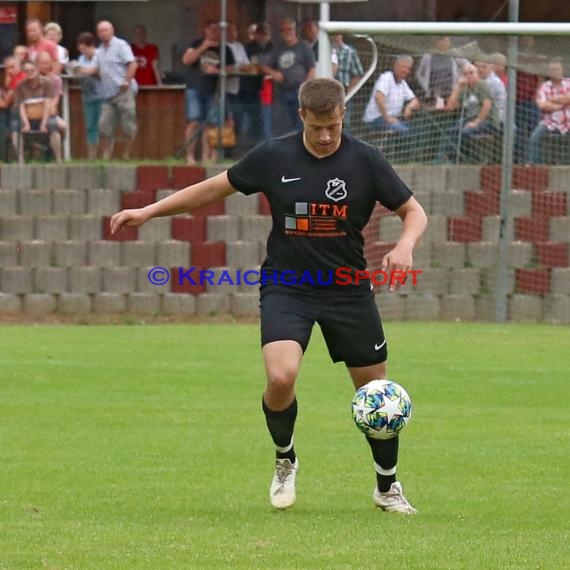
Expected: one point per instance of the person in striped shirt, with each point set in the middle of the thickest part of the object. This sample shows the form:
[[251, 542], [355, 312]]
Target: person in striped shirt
[[553, 100], [348, 70]]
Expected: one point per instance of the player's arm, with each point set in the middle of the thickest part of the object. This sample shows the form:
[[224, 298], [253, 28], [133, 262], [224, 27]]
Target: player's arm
[[181, 202], [414, 225]]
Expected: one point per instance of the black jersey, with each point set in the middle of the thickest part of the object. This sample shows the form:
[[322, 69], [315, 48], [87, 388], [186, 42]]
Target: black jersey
[[319, 206]]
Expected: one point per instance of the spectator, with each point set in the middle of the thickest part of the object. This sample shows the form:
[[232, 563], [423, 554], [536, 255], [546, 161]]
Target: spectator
[[202, 59], [527, 113], [349, 71], [289, 65], [117, 68], [257, 51], [478, 113], [553, 100], [243, 95], [310, 34], [21, 52], [37, 43], [35, 102], [54, 33], [500, 62], [392, 102], [438, 72], [13, 75], [87, 68], [251, 33], [497, 87], [45, 67], [147, 56]]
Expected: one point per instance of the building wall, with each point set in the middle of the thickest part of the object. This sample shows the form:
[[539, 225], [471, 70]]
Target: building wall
[[419, 10], [483, 10]]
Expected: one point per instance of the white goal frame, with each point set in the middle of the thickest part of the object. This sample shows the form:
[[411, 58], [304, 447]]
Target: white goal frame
[[450, 28]]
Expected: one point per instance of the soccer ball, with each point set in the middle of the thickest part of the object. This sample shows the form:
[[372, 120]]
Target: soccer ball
[[381, 409]]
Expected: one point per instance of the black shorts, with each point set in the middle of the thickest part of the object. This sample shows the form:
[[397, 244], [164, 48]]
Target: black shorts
[[349, 320]]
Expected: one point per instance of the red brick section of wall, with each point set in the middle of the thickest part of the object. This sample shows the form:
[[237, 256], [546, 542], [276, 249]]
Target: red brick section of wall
[[533, 281], [465, 229]]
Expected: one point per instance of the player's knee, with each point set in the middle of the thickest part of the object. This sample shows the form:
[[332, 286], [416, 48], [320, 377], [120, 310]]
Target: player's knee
[[282, 378]]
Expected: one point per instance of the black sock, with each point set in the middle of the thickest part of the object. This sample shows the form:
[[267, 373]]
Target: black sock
[[281, 425], [385, 453]]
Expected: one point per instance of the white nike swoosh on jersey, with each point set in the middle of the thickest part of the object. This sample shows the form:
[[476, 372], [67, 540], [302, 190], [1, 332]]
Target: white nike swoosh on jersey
[[285, 180], [379, 346]]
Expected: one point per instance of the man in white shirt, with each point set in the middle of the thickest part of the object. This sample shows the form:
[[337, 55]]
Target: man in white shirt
[[392, 101], [242, 112]]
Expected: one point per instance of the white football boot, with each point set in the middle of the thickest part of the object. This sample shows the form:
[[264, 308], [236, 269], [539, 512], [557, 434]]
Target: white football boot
[[393, 500], [282, 491]]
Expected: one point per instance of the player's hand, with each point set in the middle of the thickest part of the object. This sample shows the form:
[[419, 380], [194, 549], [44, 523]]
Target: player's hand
[[124, 218], [277, 77], [471, 125], [392, 120], [399, 260]]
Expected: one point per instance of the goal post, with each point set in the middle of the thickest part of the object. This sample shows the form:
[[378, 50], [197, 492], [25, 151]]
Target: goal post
[[498, 197]]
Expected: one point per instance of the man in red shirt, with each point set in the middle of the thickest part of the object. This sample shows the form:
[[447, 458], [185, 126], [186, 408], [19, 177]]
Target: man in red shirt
[[147, 59], [37, 43]]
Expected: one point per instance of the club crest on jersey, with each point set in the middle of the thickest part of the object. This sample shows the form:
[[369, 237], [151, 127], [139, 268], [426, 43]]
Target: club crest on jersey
[[336, 189]]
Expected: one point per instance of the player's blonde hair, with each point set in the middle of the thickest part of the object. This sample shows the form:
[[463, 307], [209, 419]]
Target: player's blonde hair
[[321, 96]]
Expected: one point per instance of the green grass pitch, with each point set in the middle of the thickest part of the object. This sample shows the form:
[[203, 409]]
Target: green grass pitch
[[145, 447]]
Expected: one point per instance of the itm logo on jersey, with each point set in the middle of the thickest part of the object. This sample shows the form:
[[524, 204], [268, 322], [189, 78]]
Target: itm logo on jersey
[[336, 189]]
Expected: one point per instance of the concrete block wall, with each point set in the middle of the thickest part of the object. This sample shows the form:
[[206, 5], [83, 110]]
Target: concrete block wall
[[57, 254], [459, 252]]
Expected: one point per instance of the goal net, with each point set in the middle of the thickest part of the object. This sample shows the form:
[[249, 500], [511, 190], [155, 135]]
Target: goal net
[[475, 119]]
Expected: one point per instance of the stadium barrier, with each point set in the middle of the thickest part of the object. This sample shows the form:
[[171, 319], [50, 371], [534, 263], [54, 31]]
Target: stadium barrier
[[58, 256]]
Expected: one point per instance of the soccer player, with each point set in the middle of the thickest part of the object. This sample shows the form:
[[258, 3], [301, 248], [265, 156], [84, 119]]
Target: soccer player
[[322, 186]]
